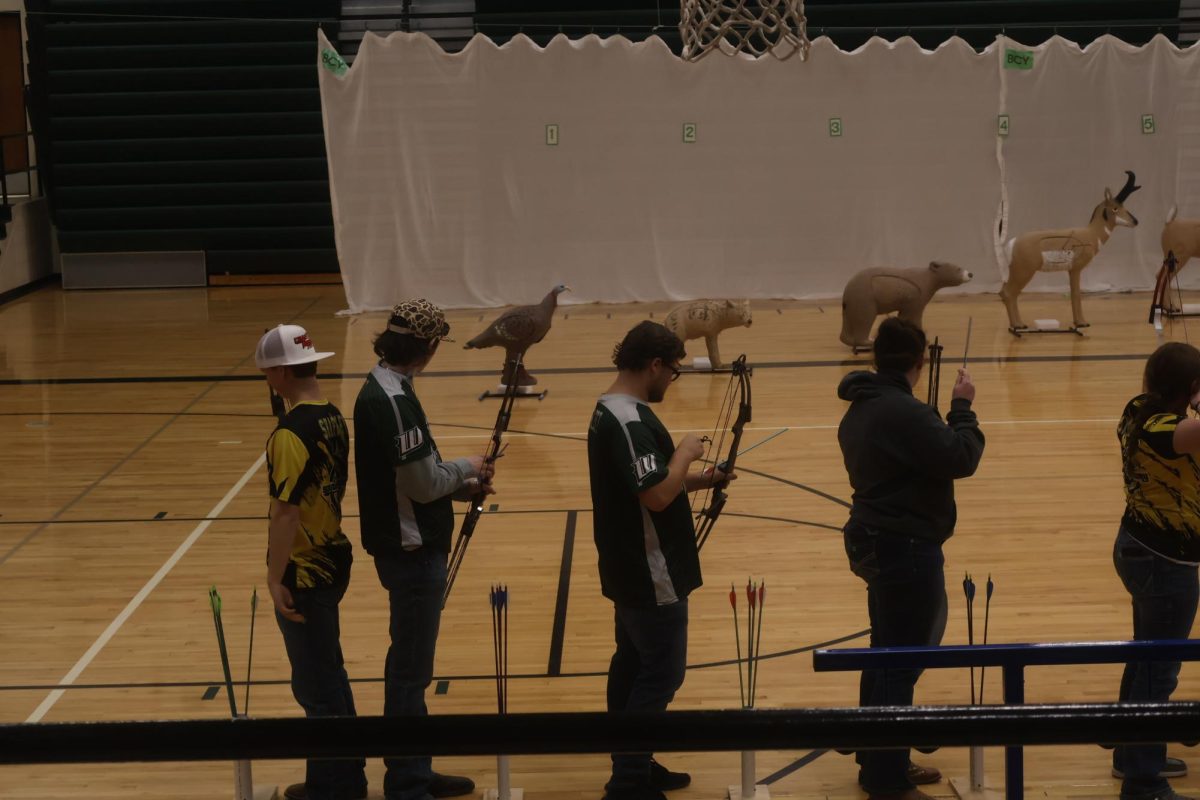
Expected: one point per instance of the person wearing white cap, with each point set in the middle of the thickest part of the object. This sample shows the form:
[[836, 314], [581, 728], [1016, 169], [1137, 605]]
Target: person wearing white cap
[[404, 495], [308, 555]]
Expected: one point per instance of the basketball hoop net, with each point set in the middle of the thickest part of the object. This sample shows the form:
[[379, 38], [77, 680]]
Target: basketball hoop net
[[756, 27]]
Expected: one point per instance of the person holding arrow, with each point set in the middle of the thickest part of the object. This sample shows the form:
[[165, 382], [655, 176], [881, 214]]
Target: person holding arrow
[[902, 460], [1157, 549]]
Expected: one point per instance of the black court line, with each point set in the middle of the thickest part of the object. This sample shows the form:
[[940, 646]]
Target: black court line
[[29, 288], [817, 492], [491, 373], [263, 518], [785, 519], [349, 421], [803, 761], [560, 604], [488, 677], [141, 446]]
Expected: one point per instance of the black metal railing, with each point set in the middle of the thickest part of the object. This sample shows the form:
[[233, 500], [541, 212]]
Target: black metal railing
[[598, 732]]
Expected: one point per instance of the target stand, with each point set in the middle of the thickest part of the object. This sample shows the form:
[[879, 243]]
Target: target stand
[[749, 790], [1185, 310], [1046, 326], [701, 365], [504, 789], [243, 781], [974, 786], [522, 391]]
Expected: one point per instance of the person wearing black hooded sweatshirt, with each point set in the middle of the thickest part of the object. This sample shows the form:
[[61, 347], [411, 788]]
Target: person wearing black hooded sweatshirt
[[902, 460]]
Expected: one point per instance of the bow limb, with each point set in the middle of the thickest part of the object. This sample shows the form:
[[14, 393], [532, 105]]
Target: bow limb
[[494, 449], [706, 520]]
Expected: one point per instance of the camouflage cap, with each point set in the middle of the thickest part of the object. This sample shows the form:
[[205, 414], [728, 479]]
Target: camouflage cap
[[419, 318]]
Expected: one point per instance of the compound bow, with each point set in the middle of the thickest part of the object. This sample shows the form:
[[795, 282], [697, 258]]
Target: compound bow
[[715, 496], [494, 450]]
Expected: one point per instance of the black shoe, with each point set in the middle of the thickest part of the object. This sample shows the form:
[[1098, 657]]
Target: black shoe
[[920, 776], [298, 791], [916, 774], [1165, 794], [664, 780], [1174, 768], [450, 785]]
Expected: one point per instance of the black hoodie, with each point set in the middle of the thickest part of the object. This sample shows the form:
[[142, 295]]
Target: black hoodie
[[901, 458]]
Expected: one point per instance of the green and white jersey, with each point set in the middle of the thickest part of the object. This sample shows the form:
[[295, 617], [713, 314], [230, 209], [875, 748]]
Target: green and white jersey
[[646, 557], [390, 433]]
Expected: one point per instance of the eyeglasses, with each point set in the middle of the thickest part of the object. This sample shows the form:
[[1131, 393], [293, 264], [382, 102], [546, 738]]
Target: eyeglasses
[[675, 373]]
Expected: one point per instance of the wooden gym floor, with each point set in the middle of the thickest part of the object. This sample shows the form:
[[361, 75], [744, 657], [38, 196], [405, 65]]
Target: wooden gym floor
[[133, 426]]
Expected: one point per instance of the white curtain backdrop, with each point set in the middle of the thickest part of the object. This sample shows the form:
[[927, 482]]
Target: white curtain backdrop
[[443, 185]]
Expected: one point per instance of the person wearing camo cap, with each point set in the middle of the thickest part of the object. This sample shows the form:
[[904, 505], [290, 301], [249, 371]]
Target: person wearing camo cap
[[405, 491]]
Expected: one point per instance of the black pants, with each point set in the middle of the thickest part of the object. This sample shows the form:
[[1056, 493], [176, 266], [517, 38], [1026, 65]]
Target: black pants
[[646, 671], [906, 600], [320, 684], [416, 582], [1164, 597]]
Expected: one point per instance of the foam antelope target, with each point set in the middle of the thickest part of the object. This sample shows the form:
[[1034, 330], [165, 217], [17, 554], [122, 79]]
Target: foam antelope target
[[1064, 250]]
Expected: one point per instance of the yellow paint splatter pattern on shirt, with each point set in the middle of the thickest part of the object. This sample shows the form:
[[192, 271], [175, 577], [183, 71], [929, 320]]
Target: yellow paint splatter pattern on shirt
[[1162, 487], [307, 459]]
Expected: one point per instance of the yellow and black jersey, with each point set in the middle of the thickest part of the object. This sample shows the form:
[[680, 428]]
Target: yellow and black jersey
[[307, 457], [1162, 487]]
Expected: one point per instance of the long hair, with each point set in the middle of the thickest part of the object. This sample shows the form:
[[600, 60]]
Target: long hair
[[1171, 377]]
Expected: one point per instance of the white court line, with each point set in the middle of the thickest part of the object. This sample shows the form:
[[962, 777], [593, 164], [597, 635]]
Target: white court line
[[138, 598]]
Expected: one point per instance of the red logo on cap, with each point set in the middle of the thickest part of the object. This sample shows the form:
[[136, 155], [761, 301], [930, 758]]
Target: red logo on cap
[[304, 341]]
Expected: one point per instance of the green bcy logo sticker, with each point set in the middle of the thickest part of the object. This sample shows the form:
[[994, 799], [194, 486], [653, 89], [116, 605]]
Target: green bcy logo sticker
[[333, 62], [1018, 59]]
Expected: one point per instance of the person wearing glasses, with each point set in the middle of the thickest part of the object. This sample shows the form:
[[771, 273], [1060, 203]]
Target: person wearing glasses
[[642, 525]]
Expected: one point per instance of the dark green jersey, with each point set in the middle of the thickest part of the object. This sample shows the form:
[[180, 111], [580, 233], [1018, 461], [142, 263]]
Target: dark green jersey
[[307, 459], [390, 430], [646, 557]]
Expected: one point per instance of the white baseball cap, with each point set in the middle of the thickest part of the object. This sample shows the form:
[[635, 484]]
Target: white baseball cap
[[286, 345]]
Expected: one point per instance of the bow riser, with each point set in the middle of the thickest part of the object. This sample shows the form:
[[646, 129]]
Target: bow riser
[[707, 518], [494, 450]]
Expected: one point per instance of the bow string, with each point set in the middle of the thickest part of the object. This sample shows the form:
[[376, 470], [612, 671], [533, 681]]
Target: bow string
[[495, 449], [715, 496]]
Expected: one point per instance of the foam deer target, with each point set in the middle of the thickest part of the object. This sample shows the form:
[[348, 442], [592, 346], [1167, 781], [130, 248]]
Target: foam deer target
[[1180, 239], [1066, 250]]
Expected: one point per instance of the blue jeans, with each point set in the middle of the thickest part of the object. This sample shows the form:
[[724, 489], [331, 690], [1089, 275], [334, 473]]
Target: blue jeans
[[415, 581], [906, 601], [645, 672], [1164, 606], [320, 684]]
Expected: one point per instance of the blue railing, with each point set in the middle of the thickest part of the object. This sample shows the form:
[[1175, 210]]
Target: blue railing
[[1012, 659]]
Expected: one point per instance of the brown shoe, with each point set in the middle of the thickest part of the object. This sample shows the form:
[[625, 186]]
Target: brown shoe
[[919, 776], [911, 794]]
